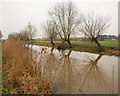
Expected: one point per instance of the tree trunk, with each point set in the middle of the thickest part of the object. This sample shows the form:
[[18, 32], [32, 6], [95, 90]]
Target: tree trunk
[[98, 44], [52, 45], [69, 44]]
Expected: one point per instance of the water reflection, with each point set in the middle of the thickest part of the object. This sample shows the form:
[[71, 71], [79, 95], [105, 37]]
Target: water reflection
[[94, 78], [69, 75]]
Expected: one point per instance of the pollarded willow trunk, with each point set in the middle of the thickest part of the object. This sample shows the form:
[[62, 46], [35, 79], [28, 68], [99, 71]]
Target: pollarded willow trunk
[[53, 45], [98, 44], [69, 43]]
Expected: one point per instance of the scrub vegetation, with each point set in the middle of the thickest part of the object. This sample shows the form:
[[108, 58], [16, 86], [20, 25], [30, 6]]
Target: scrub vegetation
[[20, 76]]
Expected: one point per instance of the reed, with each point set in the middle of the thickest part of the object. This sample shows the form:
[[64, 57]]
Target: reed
[[20, 75]]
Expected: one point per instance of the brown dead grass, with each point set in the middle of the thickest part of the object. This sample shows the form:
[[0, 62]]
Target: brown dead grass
[[21, 77]]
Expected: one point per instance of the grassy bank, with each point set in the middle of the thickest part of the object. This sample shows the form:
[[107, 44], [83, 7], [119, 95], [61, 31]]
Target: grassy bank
[[0, 67], [110, 47]]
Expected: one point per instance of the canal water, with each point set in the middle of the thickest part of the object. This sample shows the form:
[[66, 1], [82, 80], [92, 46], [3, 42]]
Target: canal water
[[74, 72]]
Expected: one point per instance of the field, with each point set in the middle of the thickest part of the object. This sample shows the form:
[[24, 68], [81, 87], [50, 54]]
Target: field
[[107, 43], [111, 43], [86, 46]]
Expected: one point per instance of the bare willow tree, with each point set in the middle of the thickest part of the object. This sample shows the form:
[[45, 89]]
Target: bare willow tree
[[50, 31], [94, 25], [65, 17], [28, 33]]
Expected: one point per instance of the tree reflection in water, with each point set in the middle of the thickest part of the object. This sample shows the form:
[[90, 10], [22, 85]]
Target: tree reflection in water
[[50, 64], [66, 76], [94, 78], [60, 72], [91, 73]]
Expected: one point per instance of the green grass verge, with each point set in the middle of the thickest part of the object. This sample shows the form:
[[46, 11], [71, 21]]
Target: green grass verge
[[0, 67], [111, 46], [110, 43]]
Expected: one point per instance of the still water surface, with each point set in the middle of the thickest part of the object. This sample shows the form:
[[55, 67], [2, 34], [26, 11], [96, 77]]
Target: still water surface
[[72, 72]]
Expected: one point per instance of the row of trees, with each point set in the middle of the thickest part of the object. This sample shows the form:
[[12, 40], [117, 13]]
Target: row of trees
[[26, 35], [65, 22]]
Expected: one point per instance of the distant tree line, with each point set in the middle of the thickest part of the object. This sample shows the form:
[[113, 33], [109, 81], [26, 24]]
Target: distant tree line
[[108, 37], [26, 35], [83, 38]]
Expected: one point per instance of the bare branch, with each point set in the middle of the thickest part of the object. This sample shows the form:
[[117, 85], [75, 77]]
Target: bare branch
[[65, 16], [94, 25]]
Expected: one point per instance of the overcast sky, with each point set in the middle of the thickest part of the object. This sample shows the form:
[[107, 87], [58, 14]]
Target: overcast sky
[[15, 15]]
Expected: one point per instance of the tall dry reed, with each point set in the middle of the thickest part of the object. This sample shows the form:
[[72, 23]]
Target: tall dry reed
[[21, 77]]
